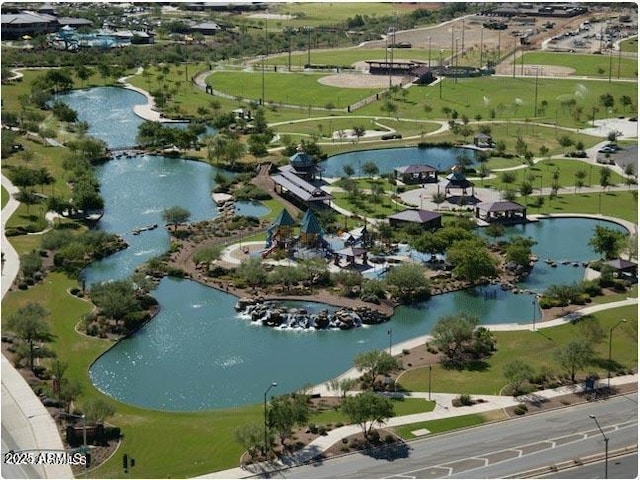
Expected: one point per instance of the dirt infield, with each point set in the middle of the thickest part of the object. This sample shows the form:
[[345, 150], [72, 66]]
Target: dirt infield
[[360, 80]]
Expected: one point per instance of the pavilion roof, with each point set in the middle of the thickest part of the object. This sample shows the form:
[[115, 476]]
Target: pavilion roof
[[415, 216], [501, 206], [311, 224]]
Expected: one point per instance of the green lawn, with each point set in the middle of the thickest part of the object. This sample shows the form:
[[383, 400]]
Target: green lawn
[[4, 198], [401, 407], [584, 64], [543, 172], [621, 204], [536, 348], [287, 88], [630, 45], [318, 13], [439, 426], [348, 56], [511, 98]]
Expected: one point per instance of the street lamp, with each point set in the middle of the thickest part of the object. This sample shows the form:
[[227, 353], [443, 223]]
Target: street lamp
[[84, 434], [535, 101], [533, 302], [429, 382], [390, 333], [262, 99], [430, 57], [609, 362], [274, 384], [441, 76], [606, 447]]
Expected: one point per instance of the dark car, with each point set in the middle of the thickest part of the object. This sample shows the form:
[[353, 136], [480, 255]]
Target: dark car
[[391, 136]]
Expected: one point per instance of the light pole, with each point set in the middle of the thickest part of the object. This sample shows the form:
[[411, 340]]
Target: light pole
[[390, 333], [535, 101], [481, 46], [606, 447], [262, 99], [456, 71], [84, 435], [609, 362], [430, 57], [429, 382], [441, 76], [274, 384], [533, 302]]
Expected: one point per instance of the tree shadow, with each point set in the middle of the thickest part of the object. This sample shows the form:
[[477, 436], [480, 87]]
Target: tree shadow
[[470, 365], [390, 452]]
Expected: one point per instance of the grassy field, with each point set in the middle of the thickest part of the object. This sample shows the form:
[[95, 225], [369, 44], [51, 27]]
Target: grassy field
[[510, 98], [543, 172], [439, 426], [4, 197], [617, 204], [289, 89], [537, 348], [323, 127], [348, 56], [401, 406], [630, 45], [315, 14], [588, 65]]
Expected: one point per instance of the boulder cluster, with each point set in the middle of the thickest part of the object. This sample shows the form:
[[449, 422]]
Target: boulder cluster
[[274, 314]]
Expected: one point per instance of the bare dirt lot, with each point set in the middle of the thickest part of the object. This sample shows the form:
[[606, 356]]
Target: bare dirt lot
[[360, 80]]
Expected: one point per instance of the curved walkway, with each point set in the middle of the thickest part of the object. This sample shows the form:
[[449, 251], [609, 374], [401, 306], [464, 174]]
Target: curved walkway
[[24, 418]]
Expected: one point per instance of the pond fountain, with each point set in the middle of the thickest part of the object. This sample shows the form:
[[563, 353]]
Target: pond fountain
[[198, 353]]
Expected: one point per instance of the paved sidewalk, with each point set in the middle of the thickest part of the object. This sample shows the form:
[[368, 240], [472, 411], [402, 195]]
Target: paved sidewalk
[[443, 410], [24, 418]]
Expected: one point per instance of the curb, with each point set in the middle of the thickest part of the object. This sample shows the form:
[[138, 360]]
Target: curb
[[576, 462]]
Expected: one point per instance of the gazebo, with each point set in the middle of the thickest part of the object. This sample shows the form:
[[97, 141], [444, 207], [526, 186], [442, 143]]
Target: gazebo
[[351, 253], [624, 267], [412, 174], [482, 140], [427, 219], [311, 231], [501, 212], [457, 180], [280, 232]]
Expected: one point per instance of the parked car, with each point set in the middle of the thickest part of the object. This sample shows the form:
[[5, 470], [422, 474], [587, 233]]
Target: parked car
[[391, 136], [607, 150]]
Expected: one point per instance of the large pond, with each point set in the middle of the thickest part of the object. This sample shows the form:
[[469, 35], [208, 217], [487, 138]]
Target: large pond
[[199, 354], [109, 112], [136, 191], [390, 158]]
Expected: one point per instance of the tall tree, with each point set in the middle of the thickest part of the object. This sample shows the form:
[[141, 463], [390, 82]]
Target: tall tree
[[517, 372], [574, 355], [175, 216], [374, 363], [472, 260], [367, 409], [30, 326], [607, 242], [287, 411]]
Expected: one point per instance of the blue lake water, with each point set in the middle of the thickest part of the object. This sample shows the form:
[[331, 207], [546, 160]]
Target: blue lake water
[[198, 353], [390, 158], [109, 112]]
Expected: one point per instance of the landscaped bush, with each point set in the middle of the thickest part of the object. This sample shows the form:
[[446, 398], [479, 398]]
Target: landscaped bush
[[521, 409]]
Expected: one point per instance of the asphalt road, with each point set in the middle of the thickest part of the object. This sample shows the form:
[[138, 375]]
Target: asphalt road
[[495, 450], [620, 467]]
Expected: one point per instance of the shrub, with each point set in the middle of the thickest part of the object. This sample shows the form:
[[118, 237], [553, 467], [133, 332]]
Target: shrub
[[465, 399], [520, 409]]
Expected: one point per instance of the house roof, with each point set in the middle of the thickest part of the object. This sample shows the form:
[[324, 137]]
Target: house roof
[[482, 136], [206, 26], [301, 160], [620, 264], [415, 216], [415, 169], [284, 219], [352, 251], [300, 188], [310, 224], [500, 206]]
